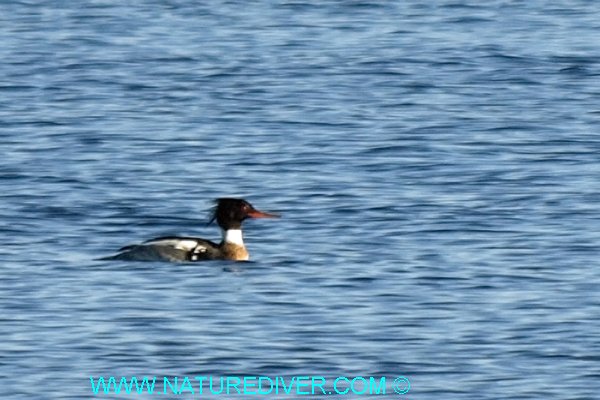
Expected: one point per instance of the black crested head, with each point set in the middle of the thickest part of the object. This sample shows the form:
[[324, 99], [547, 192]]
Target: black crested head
[[230, 213]]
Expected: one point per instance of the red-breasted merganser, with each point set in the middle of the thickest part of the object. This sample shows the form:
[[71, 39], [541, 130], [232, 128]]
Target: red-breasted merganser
[[229, 214]]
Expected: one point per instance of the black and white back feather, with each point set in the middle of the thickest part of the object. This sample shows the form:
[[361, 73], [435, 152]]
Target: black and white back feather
[[169, 248]]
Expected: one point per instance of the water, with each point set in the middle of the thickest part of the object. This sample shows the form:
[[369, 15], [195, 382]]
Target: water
[[436, 165]]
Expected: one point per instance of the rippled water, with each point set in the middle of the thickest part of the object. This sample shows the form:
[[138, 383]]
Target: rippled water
[[436, 165]]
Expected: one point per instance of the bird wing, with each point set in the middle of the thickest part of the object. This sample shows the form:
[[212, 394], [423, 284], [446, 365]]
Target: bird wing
[[170, 248]]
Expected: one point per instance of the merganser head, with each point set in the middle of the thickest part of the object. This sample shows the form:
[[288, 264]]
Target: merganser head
[[230, 213]]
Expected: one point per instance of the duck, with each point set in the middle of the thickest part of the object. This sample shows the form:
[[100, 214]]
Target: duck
[[229, 213]]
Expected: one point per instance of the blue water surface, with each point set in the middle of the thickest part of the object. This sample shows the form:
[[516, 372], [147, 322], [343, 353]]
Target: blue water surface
[[436, 165]]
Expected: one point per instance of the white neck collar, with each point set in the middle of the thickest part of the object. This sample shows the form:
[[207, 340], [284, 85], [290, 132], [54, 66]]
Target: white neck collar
[[233, 236]]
